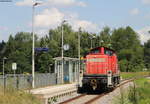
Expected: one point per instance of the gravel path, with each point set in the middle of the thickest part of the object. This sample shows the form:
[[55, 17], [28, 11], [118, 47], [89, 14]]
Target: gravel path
[[109, 99]]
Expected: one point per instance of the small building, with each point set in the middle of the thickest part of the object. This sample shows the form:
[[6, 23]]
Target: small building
[[70, 71]]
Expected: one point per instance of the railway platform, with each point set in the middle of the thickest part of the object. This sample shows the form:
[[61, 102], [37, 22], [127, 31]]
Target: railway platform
[[56, 93]]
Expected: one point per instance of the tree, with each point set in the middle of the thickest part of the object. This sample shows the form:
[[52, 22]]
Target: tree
[[2, 51], [105, 38], [147, 54], [43, 62], [126, 43], [18, 49]]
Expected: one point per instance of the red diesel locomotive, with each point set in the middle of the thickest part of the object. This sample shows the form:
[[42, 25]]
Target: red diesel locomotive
[[101, 70]]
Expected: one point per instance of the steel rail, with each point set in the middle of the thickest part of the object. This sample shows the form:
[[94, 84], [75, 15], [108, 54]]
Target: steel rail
[[97, 97], [72, 99], [91, 100], [106, 93]]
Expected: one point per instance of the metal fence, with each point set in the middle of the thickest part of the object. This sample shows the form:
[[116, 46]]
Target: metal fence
[[21, 81]]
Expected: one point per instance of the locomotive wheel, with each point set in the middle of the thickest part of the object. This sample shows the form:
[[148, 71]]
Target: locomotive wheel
[[119, 80], [115, 82]]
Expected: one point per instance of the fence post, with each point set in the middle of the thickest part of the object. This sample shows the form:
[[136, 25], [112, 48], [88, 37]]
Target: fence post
[[4, 83], [17, 82]]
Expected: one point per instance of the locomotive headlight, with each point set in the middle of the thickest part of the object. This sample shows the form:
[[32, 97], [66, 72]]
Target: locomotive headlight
[[109, 72]]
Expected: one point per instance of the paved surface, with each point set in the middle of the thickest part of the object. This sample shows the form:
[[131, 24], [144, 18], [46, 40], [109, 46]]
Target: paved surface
[[52, 89], [55, 91]]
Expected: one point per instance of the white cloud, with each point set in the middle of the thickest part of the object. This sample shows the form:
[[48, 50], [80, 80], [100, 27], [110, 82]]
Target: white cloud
[[134, 11], [85, 25], [65, 3], [25, 3], [51, 18], [146, 1], [144, 34], [2, 28], [53, 3]]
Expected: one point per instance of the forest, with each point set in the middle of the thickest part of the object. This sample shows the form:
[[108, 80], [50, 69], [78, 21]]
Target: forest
[[133, 56]]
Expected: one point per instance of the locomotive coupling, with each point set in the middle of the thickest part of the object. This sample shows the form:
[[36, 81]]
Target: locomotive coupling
[[93, 83]]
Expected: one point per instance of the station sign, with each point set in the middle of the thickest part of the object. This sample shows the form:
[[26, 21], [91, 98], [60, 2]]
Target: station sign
[[41, 49]]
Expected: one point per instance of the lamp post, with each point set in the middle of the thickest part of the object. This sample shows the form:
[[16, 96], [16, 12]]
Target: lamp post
[[62, 48], [101, 42], [33, 44], [79, 36], [92, 41], [4, 72]]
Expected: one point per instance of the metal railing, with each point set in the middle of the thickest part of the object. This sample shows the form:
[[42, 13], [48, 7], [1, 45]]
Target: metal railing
[[21, 81]]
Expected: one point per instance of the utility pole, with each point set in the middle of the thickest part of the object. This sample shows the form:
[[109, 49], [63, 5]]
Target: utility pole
[[91, 43], [33, 45], [79, 37], [4, 73], [92, 37], [62, 49]]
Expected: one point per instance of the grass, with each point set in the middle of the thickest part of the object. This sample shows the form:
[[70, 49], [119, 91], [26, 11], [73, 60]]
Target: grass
[[126, 75], [13, 96], [143, 89], [137, 94]]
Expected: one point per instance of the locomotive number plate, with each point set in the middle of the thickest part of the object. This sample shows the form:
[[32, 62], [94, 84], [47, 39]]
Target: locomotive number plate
[[97, 60]]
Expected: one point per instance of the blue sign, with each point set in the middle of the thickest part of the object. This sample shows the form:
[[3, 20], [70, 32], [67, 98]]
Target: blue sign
[[41, 49]]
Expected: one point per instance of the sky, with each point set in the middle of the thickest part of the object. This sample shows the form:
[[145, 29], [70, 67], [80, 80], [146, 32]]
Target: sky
[[90, 15]]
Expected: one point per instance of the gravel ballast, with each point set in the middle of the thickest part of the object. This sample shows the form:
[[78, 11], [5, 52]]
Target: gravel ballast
[[109, 98]]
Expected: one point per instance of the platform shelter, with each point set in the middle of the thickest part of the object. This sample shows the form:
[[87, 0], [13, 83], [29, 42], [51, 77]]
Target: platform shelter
[[70, 71]]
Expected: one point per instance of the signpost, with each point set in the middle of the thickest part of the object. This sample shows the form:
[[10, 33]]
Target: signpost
[[14, 68]]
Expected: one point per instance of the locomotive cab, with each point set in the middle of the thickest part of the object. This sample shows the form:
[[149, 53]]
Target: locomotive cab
[[101, 69]]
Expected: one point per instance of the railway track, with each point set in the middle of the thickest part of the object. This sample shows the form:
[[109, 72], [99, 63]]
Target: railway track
[[89, 99]]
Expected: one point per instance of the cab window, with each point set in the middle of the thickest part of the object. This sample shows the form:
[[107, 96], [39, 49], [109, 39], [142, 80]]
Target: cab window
[[108, 52], [95, 51]]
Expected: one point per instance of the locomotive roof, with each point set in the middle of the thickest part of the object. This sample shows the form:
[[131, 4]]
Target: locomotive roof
[[104, 47]]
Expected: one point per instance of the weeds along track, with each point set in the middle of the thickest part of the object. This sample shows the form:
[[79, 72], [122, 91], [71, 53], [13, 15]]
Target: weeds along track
[[91, 98]]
